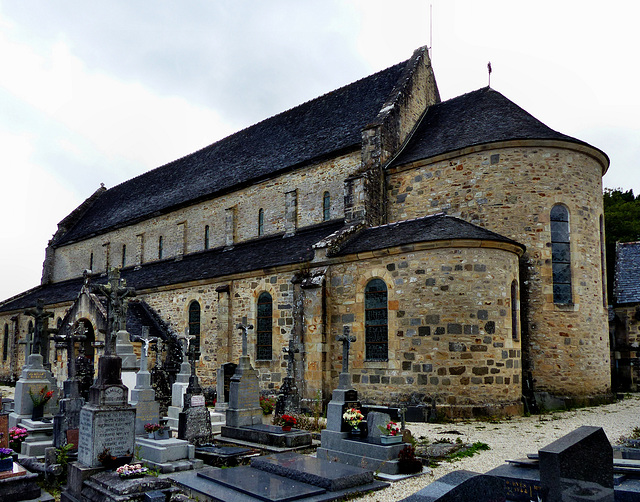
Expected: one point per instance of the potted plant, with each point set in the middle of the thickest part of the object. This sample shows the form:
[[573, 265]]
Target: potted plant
[[156, 431], [6, 459], [288, 421], [390, 433], [16, 436], [132, 471], [353, 417], [39, 400]]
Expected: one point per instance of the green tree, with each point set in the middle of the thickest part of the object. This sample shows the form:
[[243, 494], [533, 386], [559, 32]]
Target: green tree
[[621, 224]]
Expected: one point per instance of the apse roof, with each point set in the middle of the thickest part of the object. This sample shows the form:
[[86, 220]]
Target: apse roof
[[627, 278], [476, 118]]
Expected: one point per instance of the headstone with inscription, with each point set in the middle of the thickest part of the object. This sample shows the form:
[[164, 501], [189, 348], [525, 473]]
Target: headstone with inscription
[[194, 422], [34, 378], [143, 396], [107, 422]]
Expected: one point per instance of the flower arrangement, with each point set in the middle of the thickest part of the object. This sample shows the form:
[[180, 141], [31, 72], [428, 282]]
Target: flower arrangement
[[288, 420], [267, 404], [353, 417], [105, 457], [41, 398], [152, 427], [131, 470], [17, 434], [6, 453], [391, 429]]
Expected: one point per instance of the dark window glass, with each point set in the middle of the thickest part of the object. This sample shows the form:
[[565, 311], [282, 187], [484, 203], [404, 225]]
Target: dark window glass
[[264, 331], [376, 321], [124, 255], [206, 237], [91, 262], [194, 323], [561, 255], [326, 206], [514, 310], [261, 222], [160, 248]]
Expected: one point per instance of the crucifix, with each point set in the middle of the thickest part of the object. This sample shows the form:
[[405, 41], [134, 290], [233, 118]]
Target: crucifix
[[117, 293], [346, 340], [41, 331], [146, 340], [68, 342], [243, 328], [291, 350], [189, 349]]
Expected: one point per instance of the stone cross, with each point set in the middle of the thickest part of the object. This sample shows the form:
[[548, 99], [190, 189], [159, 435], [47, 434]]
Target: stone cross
[[244, 328], [346, 340], [41, 330], [291, 350], [146, 340], [117, 293], [189, 349], [68, 342]]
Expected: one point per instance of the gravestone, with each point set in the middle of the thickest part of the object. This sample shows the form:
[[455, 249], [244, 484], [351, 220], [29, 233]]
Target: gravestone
[[107, 421], [223, 384], [336, 442], [581, 461], [375, 419], [244, 397], [178, 390], [461, 486], [130, 366], [34, 377], [67, 421], [143, 396]]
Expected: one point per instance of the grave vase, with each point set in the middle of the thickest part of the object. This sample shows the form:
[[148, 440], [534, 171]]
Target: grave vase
[[355, 432], [37, 413], [286, 428], [6, 464], [391, 439], [161, 434]]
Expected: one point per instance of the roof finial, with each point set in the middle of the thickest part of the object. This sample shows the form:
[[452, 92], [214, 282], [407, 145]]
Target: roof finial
[[489, 69]]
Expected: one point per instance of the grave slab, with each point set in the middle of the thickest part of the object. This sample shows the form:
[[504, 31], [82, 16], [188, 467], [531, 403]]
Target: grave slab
[[261, 485], [269, 435], [461, 486], [331, 476]]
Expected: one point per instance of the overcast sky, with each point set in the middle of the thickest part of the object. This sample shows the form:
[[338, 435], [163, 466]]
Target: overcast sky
[[99, 92]]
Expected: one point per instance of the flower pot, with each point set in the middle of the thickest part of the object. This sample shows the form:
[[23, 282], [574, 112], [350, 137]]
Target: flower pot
[[37, 413], [391, 439], [15, 446], [161, 434], [6, 464], [355, 432], [150, 435], [286, 428]]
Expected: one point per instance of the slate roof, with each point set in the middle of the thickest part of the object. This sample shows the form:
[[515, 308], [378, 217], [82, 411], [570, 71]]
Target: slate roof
[[311, 131], [476, 118], [266, 252], [627, 278], [430, 228]]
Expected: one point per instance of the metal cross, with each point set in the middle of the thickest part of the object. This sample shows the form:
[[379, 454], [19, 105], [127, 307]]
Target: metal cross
[[68, 341], [41, 330], [117, 293], [291, 350], [346, 340], [244, 328]]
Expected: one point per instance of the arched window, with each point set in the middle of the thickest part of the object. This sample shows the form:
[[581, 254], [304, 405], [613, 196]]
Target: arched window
[[375, 321], [194, 323], [561, 255], [124, 255], [5, 343], [261, 222], [264, 314], [514, 311], [206, 236], [160, 246], [326, 206]]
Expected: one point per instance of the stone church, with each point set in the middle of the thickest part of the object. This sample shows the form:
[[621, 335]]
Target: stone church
[[461, 242]]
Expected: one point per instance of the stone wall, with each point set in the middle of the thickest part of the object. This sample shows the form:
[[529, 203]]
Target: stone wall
[[183, 230], [510, 189]]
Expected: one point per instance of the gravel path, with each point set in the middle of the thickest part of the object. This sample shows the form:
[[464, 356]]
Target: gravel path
[[512, 438]]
